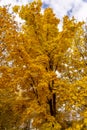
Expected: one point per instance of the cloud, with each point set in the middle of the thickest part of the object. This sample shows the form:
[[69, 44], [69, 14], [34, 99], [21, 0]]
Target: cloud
[[13, 2], [81, 13], [77, 8]]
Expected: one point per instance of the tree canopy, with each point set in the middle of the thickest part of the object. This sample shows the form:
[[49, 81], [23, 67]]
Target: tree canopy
[[43, 71]]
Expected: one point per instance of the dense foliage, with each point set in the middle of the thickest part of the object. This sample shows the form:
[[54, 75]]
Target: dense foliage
[[43, 71]]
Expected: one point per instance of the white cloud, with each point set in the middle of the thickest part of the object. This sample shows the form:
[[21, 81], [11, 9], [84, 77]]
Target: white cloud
[[78, 8], [13, 2], [81, 13]]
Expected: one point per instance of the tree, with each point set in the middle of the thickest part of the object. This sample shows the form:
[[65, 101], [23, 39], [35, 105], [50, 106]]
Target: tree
[[8, 40], [31, 64]]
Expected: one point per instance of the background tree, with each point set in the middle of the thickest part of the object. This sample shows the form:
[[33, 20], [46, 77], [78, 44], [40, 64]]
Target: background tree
[[9, 111]]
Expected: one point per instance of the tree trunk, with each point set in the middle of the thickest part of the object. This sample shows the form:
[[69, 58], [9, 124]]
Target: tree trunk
[[52, 105]]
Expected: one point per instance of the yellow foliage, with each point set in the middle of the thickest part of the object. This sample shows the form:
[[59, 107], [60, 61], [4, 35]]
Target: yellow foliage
[[16, 8], [42, 70]]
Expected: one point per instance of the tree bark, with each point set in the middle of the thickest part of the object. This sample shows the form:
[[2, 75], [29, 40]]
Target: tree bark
[[52, 105]]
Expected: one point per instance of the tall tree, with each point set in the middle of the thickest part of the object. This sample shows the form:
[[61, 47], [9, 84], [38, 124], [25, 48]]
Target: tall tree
[[44, 70]]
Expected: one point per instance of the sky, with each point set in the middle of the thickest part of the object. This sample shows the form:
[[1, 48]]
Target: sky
[[76, 8]]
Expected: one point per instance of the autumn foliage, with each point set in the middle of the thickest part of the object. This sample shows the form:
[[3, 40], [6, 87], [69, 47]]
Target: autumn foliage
[[43, 71]]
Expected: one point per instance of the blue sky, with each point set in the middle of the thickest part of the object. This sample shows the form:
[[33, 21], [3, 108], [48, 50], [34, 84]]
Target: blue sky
[[77, 8]]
